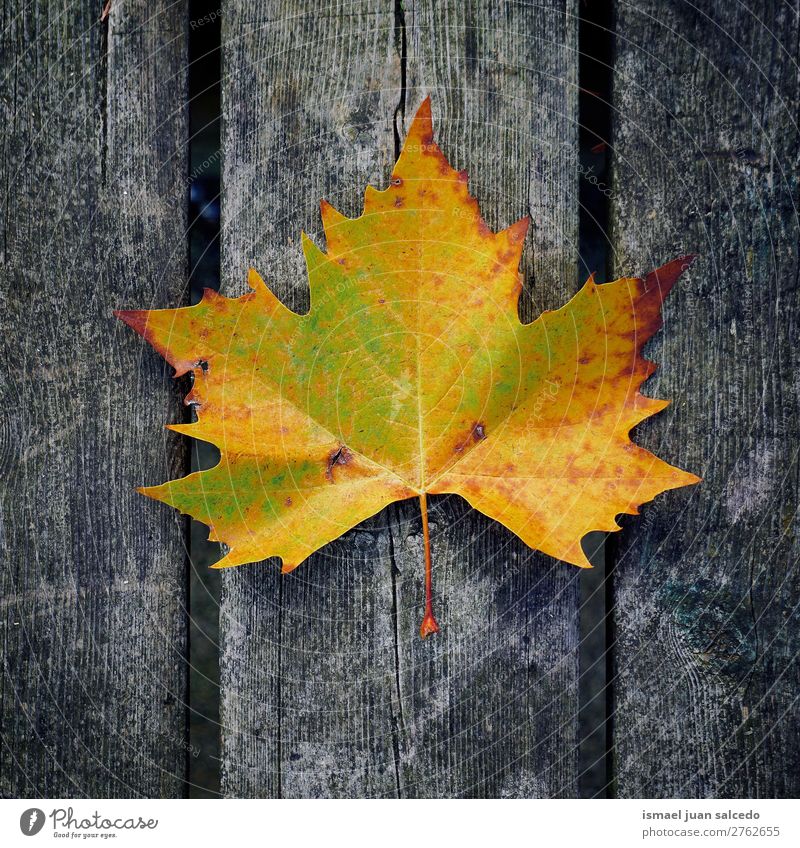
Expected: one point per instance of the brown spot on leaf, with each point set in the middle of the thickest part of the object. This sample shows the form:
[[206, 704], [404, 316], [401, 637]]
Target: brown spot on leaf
[[288, 501], [477, 434], [338, 456]]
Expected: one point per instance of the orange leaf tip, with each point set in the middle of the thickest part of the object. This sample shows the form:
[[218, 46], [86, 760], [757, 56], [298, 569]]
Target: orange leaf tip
[[136, 319], [665, 277], [421, 129]]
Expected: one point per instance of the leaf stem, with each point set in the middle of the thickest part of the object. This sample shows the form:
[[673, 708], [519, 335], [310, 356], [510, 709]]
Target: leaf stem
[[429, 624]]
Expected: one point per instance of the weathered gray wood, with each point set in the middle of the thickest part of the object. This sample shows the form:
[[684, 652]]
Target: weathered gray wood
[[490, 705], [327, 688], [92, 581], [307, 666], [705, 159]]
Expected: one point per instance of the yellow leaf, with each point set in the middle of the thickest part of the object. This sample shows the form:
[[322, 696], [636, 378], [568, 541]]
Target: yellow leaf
[[411, 374]]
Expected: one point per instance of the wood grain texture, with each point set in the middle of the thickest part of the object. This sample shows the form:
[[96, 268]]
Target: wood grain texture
[[705, 157], [490, 706], [308, 659], [93, 575], [327, 688]]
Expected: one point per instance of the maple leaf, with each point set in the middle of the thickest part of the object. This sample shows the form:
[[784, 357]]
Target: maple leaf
[[410, 375]]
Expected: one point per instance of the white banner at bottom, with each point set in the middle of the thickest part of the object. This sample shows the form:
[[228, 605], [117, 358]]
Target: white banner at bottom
[[224, 823]]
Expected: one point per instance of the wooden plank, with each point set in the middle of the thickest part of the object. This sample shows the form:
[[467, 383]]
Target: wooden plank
[[307, 666], [93, 575], [327, 688], [705, 159], [490, 706]]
